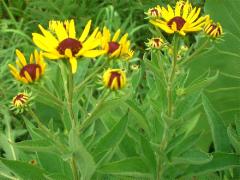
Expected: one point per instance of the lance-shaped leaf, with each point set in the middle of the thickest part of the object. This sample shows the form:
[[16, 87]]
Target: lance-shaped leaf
[[218, 129]]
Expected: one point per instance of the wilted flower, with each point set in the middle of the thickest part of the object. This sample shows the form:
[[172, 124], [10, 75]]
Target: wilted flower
[[28, 73], [61, 42], [213, 29], [114, 47], [114, 79], [183, 19]]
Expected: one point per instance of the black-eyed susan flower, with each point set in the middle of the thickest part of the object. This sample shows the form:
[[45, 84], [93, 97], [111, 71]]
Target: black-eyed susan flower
[[20, 102], [114, 79], [183, 19], [154, 12], [61, 42], [28, 72], [156, 43], [114, 47], [213, 29]]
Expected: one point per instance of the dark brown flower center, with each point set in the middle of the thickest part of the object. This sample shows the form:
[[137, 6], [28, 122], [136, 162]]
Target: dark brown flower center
[[31, 69], [112, 77], [112, 47], [69, 43], [20, 97], [179, 22]]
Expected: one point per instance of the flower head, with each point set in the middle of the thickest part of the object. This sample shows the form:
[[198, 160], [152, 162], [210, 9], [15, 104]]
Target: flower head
[[114, 47], [183, 19], [28, 73], [114, 79], [156, 43], [213, 29], [20, 102], [154, 12], [61, 42]]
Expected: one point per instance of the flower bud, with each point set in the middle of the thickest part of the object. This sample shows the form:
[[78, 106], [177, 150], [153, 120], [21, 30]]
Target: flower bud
[[114, 79]]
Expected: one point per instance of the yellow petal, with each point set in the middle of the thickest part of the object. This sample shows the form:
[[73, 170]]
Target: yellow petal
[[52, 56], [116, 35], [15, 74], [61, 32], [195, 16], [49, 36], [68, 53], [93, 53], [72, 32], [123, 39], [21, 57], [42, 42], [177, 10], [106, 34], [27, 76], [37, 74], [31, 59], [24, 80], [73, 62], [85, 31], [11, 67]]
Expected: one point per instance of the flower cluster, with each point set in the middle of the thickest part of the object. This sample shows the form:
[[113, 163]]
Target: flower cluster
[[182, 19]]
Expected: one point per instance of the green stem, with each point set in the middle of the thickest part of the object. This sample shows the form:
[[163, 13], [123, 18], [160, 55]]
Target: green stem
[[77, 88], [170, 84], [47, 132], [74, 169], [171, 77], [88, 121], [70, 97], [197, 52]]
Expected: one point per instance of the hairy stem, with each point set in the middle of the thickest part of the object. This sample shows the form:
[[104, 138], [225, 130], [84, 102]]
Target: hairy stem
[[171, 77]]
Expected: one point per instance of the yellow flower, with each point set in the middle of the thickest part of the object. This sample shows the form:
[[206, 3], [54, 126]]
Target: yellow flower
[[28, 73], [156, 43], [183, 19], [61, 42], [116, 48], [213, 29], [114, 79]]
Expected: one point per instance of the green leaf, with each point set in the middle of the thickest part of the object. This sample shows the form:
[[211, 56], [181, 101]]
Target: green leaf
[[220, 161], [200, 85], [219, 132], [234, 139], [24, 170], [83, 158], [148, 155], [190, 124], [181, 144], [192, 157], [187, 104], [140, 117], [113, 137], [35, 145], [128, 167], [54, 164]]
